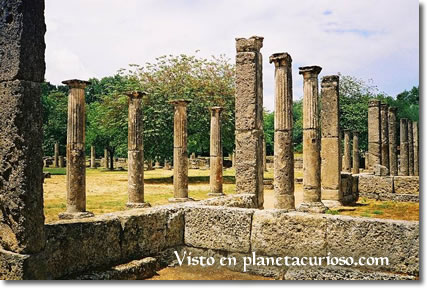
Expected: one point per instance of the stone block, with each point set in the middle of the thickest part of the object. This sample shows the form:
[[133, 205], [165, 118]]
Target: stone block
[[361, 237], [22, 45], [218, 228], [150, 231], [375, 184], [277, 233], [331, 166], [21, 164], [380, 170], [406, 184]]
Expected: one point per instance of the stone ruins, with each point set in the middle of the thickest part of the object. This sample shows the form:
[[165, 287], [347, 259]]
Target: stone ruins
[[135, 243]]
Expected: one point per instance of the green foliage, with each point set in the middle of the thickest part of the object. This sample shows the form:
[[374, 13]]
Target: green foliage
[[269, 131]]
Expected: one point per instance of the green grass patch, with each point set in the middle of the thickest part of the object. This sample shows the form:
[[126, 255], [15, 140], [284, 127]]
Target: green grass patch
[[55, 171]]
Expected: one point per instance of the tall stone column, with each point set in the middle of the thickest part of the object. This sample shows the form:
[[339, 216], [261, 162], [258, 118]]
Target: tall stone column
[[392, 138], [76, 160], [404, 148], [22, 69], [180, 154], [56, 156], [105, 158], [331, 147], [61, 161], [216, 153], [92, 157], [374, 133], [135, 151], [249, 118], [264, 155], [385, 149], [284, 189], [347, 151], [416, 148], [311, 142], [356, 157], [410, 149]]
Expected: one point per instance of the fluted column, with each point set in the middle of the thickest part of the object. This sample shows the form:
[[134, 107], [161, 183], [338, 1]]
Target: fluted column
[[284, 189], [180, 154], [347, 151], [135, 151], [311, 142], [410, 149], [331, 146], [374, 133], [216, 159], [404, 148], [416, 148], [392, 138], [76, 161], [92, 157], [356, 157], [249, 118], [385, 150], [56, 156]]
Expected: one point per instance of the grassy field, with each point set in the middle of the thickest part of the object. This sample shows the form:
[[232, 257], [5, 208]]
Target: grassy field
[[106, 191]]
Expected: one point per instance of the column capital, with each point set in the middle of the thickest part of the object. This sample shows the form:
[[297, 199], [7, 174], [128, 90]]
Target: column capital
[[281, 59], [355, 133], [310, 71], [384, 106], [75, 83], [374, 102], [179, 102], [216, 108], [252, 44], [136, 94], [330, 81]]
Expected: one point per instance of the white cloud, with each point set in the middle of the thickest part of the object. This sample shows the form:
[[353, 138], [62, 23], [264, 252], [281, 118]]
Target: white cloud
[[368, 39]]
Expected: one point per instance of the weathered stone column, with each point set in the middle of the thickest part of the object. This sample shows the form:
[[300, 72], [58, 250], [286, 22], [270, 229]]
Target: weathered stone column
[[92, 157], [385, 149], [232, 159], [22, 69], [416, 148], [264, 155], [105, 158], [404, 148], [180, 154], [249, 118], [284, 189], [311, 142], [374, 133], [76, 161], [392, 138], [331, 147], [216, 153], [135, 152], [56, 155], [347, 151], [61, 161], [410, 149], [356, 157]]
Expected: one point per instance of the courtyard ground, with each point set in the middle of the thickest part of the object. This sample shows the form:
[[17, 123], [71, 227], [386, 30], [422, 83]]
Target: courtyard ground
[[106, 191]]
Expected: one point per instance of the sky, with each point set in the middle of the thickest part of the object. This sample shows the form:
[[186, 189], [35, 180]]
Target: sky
[[371, 40]]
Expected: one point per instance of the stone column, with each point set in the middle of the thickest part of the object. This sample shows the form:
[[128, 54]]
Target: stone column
[[331, 146], [135, 152], [56, 155], [410, 149], [92, 157], [180, 154], [404, 148], [105, 158], [311, 142], [385, 149], [392, 141], [232, 159], [416, 148], [61, 161], [264, 155], [22, 69], [76, 161], [374, 133], [216, 153], [347, 151], [249, 118], [356, 157], [284, 189]]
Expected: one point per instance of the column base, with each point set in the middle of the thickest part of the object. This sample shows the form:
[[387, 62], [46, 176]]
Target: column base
[[138, 205], [75, 215], [312, 207], [179, 200], [331, 203], [216, 194]]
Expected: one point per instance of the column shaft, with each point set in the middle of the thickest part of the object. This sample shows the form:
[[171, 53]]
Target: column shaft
[[106, 158], [416, 149], [404, 148], [347, 152], [356, 156], [385, 149], [374, 133], [92, 157], [392, 138], [56, 155], [410, 149], [216, 159]]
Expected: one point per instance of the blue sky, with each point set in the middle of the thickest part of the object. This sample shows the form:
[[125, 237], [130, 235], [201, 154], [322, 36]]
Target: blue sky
[[376, 40]]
